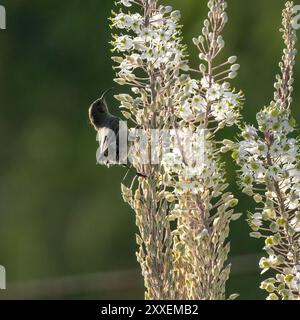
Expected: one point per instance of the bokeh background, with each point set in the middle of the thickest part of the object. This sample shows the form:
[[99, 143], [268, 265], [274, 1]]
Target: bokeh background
[[64, 229]]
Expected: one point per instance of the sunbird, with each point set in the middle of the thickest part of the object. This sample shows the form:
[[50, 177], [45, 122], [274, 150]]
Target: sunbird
[[105, 124]]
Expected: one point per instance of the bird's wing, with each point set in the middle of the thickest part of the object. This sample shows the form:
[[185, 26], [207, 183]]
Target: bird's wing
[[108, 137]]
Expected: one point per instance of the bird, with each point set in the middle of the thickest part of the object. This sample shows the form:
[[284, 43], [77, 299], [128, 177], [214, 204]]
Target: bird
[[105, 124], [107, 127]]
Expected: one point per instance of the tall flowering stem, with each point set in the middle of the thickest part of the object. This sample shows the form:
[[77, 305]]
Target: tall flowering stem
[[182, 208], [203, 209], [149, 57], [270, 173]]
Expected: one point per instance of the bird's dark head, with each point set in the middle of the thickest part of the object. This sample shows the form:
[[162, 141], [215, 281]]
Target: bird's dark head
[[98, 111]]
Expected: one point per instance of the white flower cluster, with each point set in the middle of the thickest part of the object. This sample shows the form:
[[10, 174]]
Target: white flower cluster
[[190, 166], [269, 154], [270, 173], [152, 61], [186, 181], [223, 103], [149, 58], [269, 157], [286, 286], [202, 205], [148, 45]]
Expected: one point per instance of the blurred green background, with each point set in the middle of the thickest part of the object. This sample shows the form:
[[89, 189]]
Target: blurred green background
[[64, 229]]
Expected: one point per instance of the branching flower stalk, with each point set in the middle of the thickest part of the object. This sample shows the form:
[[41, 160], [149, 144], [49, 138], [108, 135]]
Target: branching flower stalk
[[187, 261], [149, 59], [202, 207], [270, 173]]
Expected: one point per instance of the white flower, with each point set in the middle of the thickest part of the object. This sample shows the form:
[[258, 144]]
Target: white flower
[[223, 112], [199, 104], [249, 132], [191, 86], [295, 284], [124, 43], [257, 216], [295, 224], [186, 112], [205, 82], [127, 3], [214, 93], [273, 172], [256, 223], [146, 34]]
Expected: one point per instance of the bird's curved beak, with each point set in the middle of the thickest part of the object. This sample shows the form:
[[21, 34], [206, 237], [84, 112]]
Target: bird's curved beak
[[106, 92]]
